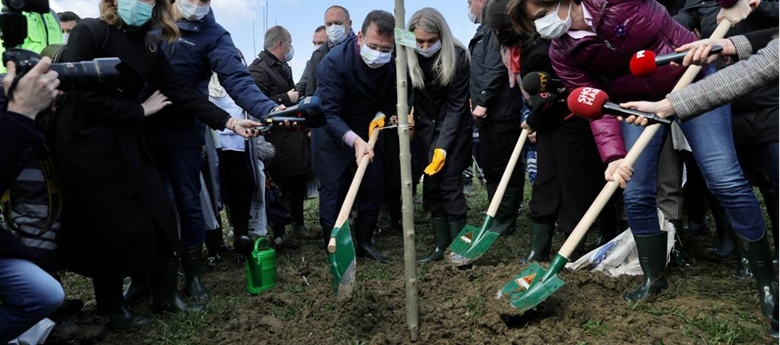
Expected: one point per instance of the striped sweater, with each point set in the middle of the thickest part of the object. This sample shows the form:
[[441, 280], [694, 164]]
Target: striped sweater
[[737, 80]]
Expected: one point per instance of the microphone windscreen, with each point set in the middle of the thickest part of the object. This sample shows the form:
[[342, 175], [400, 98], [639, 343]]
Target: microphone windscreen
[[587, 102], [536, 82], [643, 64]]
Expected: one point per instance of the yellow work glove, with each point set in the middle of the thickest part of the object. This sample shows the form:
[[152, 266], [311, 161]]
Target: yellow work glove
[[378, 122], [437, 163]]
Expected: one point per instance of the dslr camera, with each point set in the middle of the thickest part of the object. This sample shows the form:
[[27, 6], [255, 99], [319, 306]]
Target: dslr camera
[[85, 75]]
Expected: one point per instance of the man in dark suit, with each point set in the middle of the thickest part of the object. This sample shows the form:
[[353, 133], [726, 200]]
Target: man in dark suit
[[338, 28], [355, 81], [292, 164]]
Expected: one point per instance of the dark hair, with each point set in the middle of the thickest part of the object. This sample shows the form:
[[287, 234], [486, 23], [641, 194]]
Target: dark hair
[[319, 28], [383, 20], [497, 18], [68, 16], [341, 8], [523, 24]]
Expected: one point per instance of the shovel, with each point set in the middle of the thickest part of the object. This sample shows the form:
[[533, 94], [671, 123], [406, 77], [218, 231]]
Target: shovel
[[341, 249], [471, 243], [535, 284]]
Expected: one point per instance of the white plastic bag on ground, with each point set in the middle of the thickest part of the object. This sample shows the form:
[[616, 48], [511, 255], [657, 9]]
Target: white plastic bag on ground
[[619, 256], [37, 334]]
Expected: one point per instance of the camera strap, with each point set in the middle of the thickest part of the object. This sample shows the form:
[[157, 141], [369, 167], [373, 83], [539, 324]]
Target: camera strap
[[54, 196]]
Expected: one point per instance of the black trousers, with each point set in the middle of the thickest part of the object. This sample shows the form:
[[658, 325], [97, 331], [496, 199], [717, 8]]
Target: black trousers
[[237, 186], [293, 192], [497, 140], [444, 196], [570, 175]]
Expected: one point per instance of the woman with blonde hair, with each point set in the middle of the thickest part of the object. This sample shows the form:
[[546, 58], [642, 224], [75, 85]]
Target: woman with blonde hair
[[439, 71], [118, 219]]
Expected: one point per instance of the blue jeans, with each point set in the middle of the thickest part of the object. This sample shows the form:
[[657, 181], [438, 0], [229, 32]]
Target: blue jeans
[[180, 167], [712, 142], [28, 294]]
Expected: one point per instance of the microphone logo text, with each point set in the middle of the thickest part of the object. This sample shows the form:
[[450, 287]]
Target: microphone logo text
[[587, 95]]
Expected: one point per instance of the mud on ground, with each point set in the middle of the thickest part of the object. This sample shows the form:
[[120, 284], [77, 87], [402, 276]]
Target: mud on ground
[[705, 304]]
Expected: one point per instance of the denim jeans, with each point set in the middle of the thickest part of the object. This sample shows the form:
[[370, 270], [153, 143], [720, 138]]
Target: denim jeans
[[712, 142], [180, 167], [28, 294]]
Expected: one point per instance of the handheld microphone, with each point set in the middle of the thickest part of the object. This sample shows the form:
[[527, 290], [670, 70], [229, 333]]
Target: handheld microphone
[[591, 103], [536, 82], [307, 112], [644, 63]]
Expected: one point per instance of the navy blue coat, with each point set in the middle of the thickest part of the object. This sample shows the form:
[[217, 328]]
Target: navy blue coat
[[17, 137], [350, 100], [205, 46]]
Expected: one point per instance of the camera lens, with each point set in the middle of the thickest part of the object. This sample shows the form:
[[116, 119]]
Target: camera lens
[[86, 75]]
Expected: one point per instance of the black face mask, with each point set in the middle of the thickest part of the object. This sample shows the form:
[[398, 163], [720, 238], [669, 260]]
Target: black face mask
[[508, 38]]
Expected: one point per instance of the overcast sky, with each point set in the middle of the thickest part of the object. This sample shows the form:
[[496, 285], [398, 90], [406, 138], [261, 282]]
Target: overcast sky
[[300, 17]]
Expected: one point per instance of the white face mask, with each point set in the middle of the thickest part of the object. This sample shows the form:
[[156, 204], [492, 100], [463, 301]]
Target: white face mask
[[551, 27], [472, 16], [65, 37], [289, 56], [430, 51], [374, 58], [190, 11], [336, 33]]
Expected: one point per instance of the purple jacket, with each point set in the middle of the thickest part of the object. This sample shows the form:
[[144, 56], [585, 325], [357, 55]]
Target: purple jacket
[[622, 28]]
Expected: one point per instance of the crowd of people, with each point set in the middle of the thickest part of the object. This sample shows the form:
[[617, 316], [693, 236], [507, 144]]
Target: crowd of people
[[128, 181]]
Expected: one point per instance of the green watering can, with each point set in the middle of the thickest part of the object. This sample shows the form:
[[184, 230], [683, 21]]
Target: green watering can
[[260, 266]]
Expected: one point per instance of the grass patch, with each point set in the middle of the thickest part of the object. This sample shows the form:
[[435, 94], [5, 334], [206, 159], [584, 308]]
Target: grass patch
[[595, 328]]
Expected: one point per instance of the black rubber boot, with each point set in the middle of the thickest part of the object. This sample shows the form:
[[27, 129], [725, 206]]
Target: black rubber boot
[[165, 289], [541, 240], [725, 246], [108, 296], [215, 246], [364, 247], [771, 202], [744, 269], [191, 265], [139, 288], [455, 229], [505, 220], [760, 256], [652, 258], [441, 233], [678, 258]]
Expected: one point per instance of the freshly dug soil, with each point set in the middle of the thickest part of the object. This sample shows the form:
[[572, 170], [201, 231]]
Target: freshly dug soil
[[704, 304]]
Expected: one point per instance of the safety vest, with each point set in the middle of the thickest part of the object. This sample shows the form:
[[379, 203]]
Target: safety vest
[[43, 29]]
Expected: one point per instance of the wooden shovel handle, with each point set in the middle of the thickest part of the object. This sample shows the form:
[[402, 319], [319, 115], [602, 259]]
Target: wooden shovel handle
[[606, 193], [349, 200], [510, 168]]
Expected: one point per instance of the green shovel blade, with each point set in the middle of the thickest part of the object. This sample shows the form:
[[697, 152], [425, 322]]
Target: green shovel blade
[[342, 262], [472, 243], [534, 284]]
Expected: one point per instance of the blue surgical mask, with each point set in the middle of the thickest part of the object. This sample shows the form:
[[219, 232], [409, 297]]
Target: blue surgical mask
[[374, 58], [432, 50], [134, 12], [289, 56]]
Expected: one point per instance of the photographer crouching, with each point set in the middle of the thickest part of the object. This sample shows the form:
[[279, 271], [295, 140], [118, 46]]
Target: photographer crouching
[[27, 293]]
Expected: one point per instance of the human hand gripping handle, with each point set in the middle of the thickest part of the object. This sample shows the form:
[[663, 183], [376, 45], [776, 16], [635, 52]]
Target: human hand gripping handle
[[349, 200], [34, 91], [437, 163]]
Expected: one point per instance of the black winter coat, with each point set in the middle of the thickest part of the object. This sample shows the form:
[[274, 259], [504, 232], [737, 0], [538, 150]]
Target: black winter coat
[[293, 154], [18, 136], [755, 117], [490, 79], [442, 117], [117, 217]]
